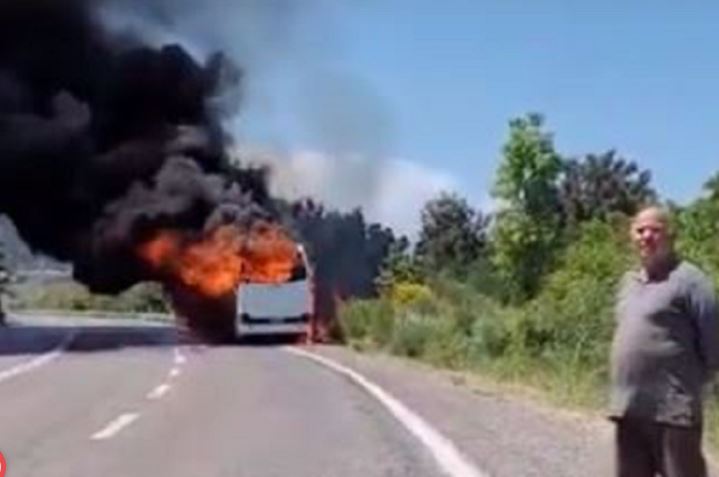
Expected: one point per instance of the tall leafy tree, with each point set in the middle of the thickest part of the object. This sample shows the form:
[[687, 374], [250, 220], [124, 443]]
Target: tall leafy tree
[[400, 266], [526, 233], [453, 234], [527, 175], [599, 185]]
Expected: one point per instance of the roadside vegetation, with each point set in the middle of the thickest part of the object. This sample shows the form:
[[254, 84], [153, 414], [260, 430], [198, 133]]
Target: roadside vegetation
[[67, 295], [526, 296]]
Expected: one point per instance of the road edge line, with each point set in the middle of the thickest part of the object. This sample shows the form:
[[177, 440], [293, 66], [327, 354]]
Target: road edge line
[[443, 450]]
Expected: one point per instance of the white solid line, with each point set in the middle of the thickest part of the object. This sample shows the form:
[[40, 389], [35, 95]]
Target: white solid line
[[159, 391], [38, 361], [174, 372], [445, 453], [115, 426]]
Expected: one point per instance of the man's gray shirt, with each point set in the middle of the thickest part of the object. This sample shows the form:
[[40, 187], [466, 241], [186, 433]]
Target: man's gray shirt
[[665, 347]]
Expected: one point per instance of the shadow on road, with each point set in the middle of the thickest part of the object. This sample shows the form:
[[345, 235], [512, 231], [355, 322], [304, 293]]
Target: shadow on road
[[32, 338], [269, 341], [38, 339]]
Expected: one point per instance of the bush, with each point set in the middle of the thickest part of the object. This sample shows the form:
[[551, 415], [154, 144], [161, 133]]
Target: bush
[[71, 296], [432, 339], [490, 337], [411, 335], [698, 225], [448, 345], [411, 295], [367, 323]]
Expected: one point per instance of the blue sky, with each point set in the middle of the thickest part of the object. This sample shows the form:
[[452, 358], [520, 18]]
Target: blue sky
[[436, 82], [357, 98]]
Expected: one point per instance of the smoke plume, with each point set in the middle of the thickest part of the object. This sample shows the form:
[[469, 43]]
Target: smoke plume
[[113, 158], [104, 141]]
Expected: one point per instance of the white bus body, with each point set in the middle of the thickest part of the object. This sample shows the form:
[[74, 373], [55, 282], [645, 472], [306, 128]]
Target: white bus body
[[282, 308]]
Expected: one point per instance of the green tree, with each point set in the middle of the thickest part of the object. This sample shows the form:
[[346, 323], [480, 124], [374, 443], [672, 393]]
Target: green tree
[[599, 185], [400, 266], [527, 176], [453, 234], [712, 187], [527, 229], [698, 233]]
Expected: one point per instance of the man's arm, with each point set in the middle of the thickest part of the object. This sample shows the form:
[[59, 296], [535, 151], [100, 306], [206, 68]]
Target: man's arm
[[703, 304], [620, 292]]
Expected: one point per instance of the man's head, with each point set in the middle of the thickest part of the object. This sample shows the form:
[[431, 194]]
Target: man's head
[[652, 235]]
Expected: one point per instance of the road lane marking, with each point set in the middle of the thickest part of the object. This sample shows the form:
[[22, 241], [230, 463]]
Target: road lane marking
[[174, 372], [38, 361], [179, 358], [444, 452], [115, 426], [159, 391]]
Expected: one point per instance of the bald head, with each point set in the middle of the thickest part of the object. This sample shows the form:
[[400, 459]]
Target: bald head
[[652, 235], [654, 213]]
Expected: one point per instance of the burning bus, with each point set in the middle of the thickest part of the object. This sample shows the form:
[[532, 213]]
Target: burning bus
[[234, 282], [280, 307]]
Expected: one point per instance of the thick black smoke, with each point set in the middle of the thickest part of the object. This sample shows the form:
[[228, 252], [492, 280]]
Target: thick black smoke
[[104, 140], [348, 254]]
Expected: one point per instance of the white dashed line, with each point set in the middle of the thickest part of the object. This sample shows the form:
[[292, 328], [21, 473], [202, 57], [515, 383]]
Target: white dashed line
[[126, 419], [159, 391], [179, 358], [38, 361], [115, 426], [445, 453]]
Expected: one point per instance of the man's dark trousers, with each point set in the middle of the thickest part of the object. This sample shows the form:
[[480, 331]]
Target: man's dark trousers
[[648, 449]]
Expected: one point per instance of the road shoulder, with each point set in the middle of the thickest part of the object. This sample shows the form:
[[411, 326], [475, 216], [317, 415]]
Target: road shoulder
[[506, 435]]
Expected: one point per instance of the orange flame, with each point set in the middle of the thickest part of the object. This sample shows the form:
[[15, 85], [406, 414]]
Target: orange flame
[[217, 263]]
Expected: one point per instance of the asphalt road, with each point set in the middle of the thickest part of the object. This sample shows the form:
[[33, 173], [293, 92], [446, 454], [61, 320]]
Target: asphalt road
[[133, 400]]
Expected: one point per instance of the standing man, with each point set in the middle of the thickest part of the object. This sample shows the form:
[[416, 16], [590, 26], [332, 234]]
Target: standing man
[[665, 350]]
